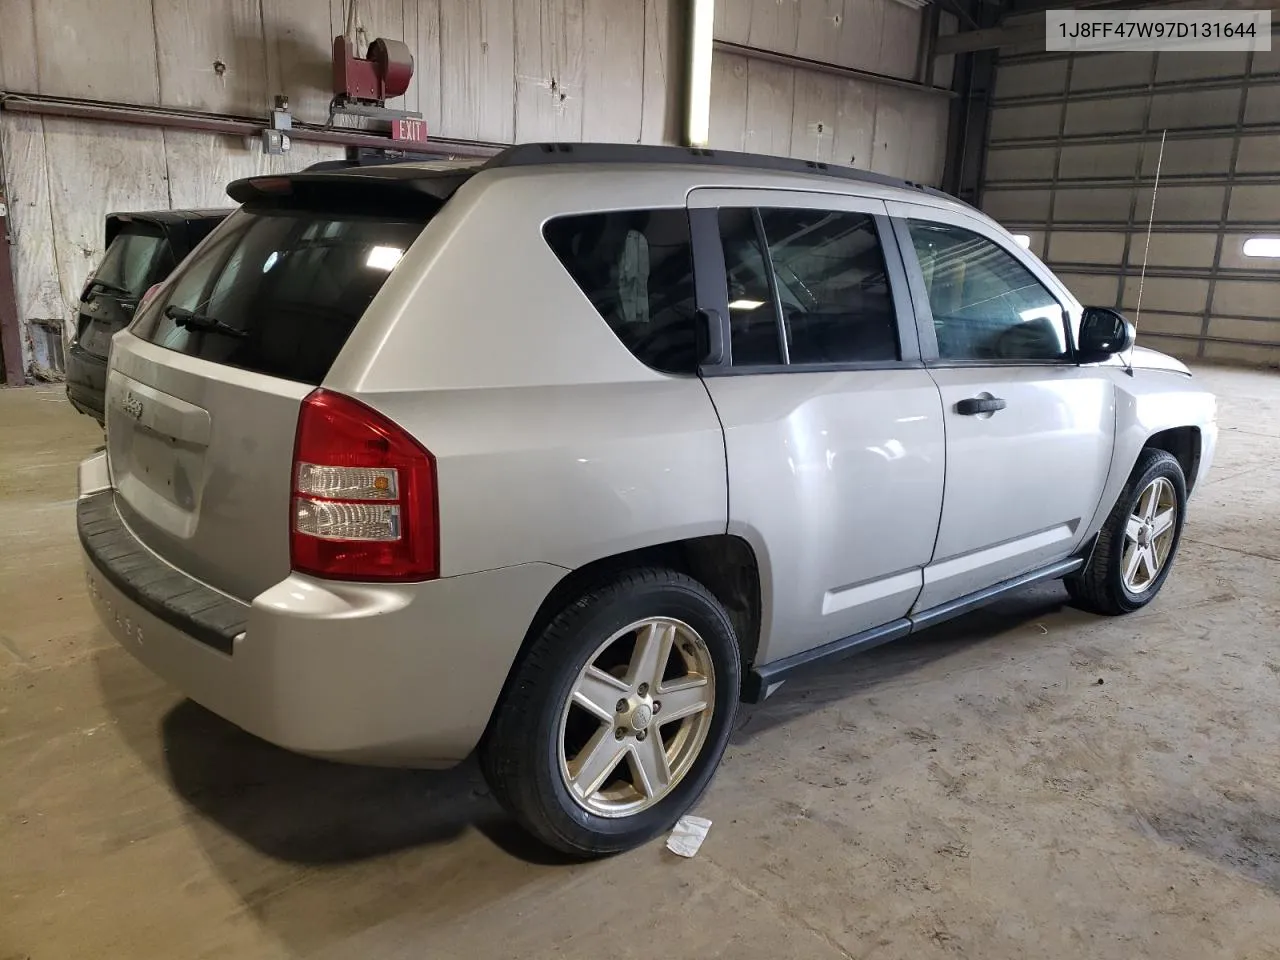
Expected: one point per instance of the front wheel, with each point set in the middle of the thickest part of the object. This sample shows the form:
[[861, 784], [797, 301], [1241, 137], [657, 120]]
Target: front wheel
[[1137, 544], [618, 715]]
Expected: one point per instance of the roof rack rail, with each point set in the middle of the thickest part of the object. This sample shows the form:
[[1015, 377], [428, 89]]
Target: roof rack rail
[[537, 154]]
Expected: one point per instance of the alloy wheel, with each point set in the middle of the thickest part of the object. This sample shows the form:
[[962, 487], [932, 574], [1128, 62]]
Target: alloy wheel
[[1148, 535], [637, 717]]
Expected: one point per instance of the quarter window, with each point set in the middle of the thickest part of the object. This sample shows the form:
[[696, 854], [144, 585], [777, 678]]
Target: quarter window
[[986, 305], [636, 268]]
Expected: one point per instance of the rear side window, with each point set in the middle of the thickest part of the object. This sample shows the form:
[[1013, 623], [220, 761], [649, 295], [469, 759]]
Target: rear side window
[[810, 282], [753, 318], [636, 268], [832, 285], [277, 291], [134, 257]]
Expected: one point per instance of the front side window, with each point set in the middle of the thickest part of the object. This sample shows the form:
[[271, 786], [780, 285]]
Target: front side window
[[636, 268], [986, 305], [812, 282]]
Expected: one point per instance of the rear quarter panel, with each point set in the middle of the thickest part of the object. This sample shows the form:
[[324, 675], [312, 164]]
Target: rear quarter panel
[[552, 442]]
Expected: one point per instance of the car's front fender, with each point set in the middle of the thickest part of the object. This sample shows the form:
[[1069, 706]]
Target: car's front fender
[[1148, 403]]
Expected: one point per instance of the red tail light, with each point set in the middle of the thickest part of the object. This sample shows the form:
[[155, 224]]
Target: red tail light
[[364, 503]]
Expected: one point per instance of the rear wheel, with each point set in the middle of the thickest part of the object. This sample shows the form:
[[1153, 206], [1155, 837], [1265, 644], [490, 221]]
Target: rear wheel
[[618, 715], [1138, 542]]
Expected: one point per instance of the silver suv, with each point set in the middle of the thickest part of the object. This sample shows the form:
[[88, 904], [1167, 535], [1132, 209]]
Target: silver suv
[[562, 456]]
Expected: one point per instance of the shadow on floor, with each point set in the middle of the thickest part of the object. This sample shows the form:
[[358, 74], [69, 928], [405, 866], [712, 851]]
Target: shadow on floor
[[308, 811], [289, 807], [830, 683]]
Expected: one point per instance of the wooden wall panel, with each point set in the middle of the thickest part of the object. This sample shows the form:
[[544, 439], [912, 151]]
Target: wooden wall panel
[[864, 26], [298, 51], [821, 30], [424, 95], [733, 21], [104, 51], [18, 46], [477, 69], [815, 117], [212, 56], [549, 70], [200, 165], [856, 124], [662, 110], [770, 104], [728, 102], [899, 39], [891, 144], [94, 169], [775, 24], [928, 119], [613, 71]]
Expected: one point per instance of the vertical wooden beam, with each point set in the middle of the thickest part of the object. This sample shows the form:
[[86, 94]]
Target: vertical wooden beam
[[10, 335]]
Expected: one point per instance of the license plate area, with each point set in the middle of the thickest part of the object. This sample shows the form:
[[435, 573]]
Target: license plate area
[[96, 339]]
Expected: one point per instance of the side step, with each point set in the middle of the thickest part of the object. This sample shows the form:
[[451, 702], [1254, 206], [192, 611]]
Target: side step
[[763, 680]]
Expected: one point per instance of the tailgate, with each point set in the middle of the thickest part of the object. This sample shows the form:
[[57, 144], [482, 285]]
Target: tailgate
[[201, 462], [204, 389]]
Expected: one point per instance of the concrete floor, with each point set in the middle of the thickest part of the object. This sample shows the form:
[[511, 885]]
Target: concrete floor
[[1029, 781]]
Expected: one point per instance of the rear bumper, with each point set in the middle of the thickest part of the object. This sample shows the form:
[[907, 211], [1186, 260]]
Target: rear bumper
[[403, 675]]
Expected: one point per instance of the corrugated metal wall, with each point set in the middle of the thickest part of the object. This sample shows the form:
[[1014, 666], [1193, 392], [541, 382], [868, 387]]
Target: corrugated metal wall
[[767, 107], [1071, 162]]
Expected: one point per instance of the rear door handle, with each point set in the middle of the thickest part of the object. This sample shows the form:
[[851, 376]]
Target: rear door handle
[[976, 405]]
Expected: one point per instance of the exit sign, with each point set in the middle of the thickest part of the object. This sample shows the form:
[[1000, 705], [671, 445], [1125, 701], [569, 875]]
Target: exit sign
[[412, 130]]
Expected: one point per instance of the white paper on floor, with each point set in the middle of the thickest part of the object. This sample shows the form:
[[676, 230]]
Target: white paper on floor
[[688, 835]]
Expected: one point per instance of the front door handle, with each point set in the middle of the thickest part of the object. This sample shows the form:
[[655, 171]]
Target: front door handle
[[975, 405]]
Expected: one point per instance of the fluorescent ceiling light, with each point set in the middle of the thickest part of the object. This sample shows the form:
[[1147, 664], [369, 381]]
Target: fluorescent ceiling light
[[1262, 247], [745, 304], [384, 258], [1022, 240], [698, 109]]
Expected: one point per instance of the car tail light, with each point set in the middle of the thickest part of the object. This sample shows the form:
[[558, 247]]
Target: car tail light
[[364, 503], [151, 292]]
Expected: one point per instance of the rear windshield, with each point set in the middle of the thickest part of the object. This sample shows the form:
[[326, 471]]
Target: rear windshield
[[130, 261], [277, 291]]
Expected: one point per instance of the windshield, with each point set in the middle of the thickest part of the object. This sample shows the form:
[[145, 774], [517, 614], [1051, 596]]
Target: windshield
[[277, 291], [130, 259]]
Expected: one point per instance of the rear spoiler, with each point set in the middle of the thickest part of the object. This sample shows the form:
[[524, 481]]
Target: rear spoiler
[[354, 186], [167, 222]]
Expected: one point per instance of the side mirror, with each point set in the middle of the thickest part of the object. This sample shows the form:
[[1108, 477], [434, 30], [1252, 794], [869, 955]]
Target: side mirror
[[1104, 333]]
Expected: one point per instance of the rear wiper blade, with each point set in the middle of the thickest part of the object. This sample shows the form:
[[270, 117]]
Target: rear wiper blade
[[111, 287], [190, 320]]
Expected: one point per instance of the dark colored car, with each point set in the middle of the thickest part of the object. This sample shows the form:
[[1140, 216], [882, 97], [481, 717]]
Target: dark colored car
[[142, 249]]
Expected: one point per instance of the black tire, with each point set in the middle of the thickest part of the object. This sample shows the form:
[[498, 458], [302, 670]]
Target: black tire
[[1099, 587], [520, 754]]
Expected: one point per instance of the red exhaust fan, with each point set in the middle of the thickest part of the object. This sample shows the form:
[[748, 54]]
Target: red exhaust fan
[[373, 79]]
